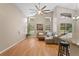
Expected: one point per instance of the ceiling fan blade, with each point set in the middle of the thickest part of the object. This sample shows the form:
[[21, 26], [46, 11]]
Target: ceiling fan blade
[[46, 10], [43, 7], [39, 5], [36, 7]]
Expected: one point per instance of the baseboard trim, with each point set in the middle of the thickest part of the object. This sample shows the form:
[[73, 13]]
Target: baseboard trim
[[74, 43], [11, 46]]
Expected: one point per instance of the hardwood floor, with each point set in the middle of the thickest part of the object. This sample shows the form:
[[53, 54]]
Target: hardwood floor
[[32, 47]]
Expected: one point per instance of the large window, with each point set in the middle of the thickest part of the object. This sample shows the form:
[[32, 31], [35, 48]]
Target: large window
[[47, 23], [31, 26], [68, 15], [66, 27]]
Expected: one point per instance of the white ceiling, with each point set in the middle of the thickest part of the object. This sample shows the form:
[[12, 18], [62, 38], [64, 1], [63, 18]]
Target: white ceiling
[[24, 7]]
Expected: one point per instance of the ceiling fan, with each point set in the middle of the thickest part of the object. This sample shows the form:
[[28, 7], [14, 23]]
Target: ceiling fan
[[40, 10]]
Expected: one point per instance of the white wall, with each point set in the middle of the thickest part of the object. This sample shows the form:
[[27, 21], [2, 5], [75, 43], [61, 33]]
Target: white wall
[[40, 19], [57, 17], [76, 32], [58, 20], [11, 25]]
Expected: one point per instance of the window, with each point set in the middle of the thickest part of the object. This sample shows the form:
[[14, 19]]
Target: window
[[66, 27], [69, 15], [47, 23]]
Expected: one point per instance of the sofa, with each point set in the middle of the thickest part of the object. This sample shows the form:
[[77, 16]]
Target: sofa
[[52, 38]]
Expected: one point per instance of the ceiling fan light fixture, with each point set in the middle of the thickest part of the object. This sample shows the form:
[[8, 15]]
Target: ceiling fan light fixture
[[73, 17], [40, 12], [76, 17]]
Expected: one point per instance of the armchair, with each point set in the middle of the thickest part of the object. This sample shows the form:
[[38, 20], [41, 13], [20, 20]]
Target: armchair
[[49, 37], [40, 36]]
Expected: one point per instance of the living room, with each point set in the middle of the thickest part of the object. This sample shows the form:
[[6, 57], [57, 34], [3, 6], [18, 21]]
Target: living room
[[55, 21], [35, 29]]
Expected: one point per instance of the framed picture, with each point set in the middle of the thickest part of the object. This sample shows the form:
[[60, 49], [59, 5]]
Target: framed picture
[[39, 26]]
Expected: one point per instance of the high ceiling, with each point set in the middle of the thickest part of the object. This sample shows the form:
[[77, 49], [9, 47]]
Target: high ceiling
[[25, 7]]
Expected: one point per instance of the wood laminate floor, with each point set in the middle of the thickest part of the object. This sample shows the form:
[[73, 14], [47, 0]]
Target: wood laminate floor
[[32, 47]]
